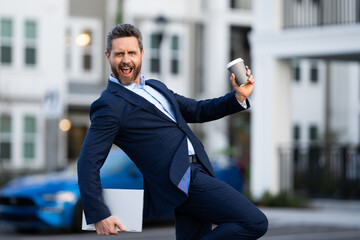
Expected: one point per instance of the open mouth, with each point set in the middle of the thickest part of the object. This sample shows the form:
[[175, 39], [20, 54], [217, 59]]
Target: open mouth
[[126, 70]]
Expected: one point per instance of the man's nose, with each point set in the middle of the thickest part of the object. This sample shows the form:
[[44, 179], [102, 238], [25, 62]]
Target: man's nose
[[126, 58]]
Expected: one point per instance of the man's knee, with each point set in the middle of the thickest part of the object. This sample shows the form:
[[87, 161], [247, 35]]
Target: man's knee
[[260, 226]]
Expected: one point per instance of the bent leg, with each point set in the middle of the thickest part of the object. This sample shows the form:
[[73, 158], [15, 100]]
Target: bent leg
[[190, 228], [211, 200]]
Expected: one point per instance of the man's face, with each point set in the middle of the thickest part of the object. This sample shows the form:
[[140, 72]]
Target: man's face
[[125, 60]]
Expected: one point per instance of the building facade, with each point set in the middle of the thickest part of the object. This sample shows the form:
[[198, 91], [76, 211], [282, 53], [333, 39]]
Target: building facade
[[304, 55], [52, 66], [319, 98], [86, 67], [187, 46], [294, 50], [32, 83]]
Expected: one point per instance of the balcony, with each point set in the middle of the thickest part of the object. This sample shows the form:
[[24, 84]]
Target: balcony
[[312, 13]]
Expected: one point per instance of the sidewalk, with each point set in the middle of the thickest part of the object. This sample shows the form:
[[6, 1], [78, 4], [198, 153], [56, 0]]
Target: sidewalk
[[337, 213]]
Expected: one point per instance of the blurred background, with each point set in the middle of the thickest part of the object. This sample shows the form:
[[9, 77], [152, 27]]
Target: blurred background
[[299, 138]]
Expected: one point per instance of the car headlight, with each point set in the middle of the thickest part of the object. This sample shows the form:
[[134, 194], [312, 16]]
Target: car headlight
[[61, 196]]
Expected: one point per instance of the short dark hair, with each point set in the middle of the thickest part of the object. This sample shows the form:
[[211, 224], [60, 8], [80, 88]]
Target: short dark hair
[[123, 30]]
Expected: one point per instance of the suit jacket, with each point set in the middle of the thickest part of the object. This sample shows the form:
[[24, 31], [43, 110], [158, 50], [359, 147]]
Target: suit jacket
[[154, 142]]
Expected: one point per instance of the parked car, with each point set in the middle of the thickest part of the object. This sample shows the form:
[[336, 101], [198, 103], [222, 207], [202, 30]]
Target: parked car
[[53, 200]]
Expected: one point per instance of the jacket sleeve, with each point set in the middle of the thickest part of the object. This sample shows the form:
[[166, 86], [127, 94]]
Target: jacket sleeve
[[208, 110], [96, 146]]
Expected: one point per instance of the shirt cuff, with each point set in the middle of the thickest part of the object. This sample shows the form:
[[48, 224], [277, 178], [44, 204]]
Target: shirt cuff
[[243, 104]]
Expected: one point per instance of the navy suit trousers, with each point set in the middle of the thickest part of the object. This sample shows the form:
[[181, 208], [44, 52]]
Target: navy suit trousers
[[212, 201]]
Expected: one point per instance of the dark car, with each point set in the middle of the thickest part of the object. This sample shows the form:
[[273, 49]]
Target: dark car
[[53, 200]]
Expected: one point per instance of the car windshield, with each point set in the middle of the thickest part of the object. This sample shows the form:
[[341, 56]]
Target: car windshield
[[115, 161]]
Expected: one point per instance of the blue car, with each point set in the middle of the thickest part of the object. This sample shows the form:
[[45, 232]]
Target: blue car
[[53, 200]]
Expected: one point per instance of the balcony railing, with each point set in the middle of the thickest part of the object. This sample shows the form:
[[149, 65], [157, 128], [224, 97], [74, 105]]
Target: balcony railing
[[311, 13], [320, 171]]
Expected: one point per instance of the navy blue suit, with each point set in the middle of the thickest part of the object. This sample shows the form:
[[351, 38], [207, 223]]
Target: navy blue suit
[[155, 143]]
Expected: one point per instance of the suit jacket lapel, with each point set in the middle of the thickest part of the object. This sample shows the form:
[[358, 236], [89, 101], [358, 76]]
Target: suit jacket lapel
[[167, 94], [136, 99]]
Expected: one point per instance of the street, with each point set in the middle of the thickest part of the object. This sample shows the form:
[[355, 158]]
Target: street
[[323, 219], [166, 232]]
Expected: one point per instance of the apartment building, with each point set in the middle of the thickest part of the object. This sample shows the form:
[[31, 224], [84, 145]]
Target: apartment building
[[52, 66], [86, 67], [32, 83], [298, 50], [187, 46], [306, 56]]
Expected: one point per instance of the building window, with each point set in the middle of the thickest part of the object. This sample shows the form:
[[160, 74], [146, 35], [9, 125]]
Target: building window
[[296, 73], [314, 74], [174, 66], [155, 65], [296, 132], [175, 54], [155, 42], [84, 40], [6, 41], [313, 133], [5, 138], [29, 142], [30, 56], [240, 4], [82, 53], [30, 43], [156, 39], [87, 60]]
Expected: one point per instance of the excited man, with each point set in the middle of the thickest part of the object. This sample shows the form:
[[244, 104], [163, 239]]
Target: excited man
[[149, 122]]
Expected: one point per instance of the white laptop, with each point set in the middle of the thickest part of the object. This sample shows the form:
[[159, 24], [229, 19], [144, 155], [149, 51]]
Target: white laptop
[[124, 204]]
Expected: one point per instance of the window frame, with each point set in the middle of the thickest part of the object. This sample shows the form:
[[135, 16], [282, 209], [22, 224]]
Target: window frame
[[29, 137], [6, 41], [30, 44], [314, 73], [6, 137], [156, 41], [75, 54], [313, 129]]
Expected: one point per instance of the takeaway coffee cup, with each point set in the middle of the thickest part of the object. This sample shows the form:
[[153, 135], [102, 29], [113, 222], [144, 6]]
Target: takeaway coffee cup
[[237, 67]]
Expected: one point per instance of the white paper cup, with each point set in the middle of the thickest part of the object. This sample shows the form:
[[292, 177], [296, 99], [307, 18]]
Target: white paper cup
[[237, 67]]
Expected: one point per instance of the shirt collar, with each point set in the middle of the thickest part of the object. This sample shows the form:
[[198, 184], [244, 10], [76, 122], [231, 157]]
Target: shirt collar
[[131, 86]]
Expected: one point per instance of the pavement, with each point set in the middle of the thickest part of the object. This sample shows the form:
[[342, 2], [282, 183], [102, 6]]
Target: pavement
[[320, 220], [336, 213]]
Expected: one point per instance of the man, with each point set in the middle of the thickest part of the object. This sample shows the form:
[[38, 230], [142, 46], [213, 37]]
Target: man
[[149, 122]]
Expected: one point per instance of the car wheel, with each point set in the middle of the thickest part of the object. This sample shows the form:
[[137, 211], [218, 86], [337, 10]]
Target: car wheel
[[77, 223]]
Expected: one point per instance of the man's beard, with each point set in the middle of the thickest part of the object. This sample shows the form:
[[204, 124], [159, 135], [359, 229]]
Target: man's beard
[[116, 69]]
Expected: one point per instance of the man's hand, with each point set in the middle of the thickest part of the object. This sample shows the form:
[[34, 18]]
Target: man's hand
[[108, 226], [243, 91]]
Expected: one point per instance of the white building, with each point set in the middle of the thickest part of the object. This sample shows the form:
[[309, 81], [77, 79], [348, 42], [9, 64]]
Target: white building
[[295, 45], [326, 96], [305, 62], [86, 67], [309, 104], [194, 49], [52, 66], [32, 82]]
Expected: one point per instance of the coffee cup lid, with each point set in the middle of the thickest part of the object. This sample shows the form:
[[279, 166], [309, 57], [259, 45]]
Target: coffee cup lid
[[233, 62]]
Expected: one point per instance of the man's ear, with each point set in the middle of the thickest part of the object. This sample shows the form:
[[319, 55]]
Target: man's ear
[[107, 56], [142, 54]]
